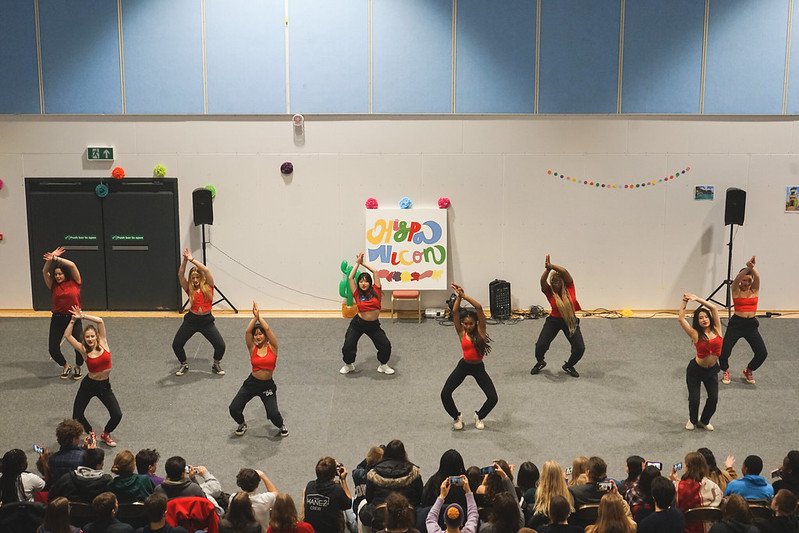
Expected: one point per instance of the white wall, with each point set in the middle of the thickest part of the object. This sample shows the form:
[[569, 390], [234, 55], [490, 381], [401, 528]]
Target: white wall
[[626, 249]]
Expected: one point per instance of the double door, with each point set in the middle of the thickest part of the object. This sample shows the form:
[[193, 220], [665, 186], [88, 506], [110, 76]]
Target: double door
[[126, 244]]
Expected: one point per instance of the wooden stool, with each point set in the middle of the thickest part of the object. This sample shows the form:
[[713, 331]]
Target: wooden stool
[[406, 295]]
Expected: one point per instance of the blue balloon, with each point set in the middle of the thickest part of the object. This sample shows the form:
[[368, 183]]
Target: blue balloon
[[101, 190]]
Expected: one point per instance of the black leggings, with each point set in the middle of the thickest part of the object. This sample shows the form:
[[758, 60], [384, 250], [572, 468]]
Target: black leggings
[[372, 329], [203, 324], [58, 324], [548, 333], [266, 390], [90, 388], [748, 329], [478, 372], [695, 377]]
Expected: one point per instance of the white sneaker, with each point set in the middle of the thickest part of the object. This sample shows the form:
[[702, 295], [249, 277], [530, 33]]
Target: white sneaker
[[385, 369], [457, 424], [708, 427], [478, 424], [346, 369], [689, 426]]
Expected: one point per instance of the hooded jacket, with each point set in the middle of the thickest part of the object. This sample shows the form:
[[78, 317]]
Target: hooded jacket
[[130, 488], [393, 475], [751, 487], [80, 485], [179, 489]]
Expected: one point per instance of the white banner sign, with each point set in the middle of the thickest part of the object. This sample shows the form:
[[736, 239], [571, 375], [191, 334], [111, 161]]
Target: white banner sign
[[407, 247]]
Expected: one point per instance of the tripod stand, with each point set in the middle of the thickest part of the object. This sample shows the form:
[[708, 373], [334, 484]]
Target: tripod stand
[[727, 282], [223, 297]]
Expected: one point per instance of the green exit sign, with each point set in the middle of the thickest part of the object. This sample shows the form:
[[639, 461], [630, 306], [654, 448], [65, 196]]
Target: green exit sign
[[100, 153]]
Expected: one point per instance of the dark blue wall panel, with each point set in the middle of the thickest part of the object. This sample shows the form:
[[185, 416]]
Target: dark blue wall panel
[[412, 56], [662, 70], [793, 67], [329, 56], [746, 56], [245, 57], [80, 56], [579, 57], [495, 70], [19, 72], [163, 56]]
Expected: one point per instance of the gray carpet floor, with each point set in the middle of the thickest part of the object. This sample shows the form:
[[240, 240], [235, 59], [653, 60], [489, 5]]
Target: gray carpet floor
[[630, 399]]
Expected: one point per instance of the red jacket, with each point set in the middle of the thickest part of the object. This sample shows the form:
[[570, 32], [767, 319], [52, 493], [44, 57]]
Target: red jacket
[[192, 513]]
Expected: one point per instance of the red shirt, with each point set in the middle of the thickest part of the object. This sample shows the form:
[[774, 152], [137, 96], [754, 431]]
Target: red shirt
[[369, 304], [470, 353], [302, 527], [551, 297], [263, 362], [706, 348], [65, 295], [745, 305], [199, 303], [99, 363]]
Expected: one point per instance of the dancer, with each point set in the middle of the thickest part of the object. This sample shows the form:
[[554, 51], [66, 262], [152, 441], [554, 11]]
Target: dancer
[[368, 296], [94, 349], [200, 289], [705, 333], [559, 290], [262, 344], [743, 323], [63, 279], [470, 325]]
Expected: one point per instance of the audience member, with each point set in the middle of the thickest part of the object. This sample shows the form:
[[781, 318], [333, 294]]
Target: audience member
[[752, 486], [181, 480], [155, 511], [284, 517], [450, 464], [69, 455], [56, 518], [666, 518], [551, 485], [248, 480], [326, 497], [147, 462], [639, 497], [240, 517], [635, 465], [598, 485], [717, 476], [373, 456], [736, 517], [527, 481], [613, 516], [497, 482], [394, 473], [560, 508], [454, 518], [475, 478], [85, 482], [505, 516], [579, 473], [105, 506], [127, 486], [695, 489], [784, 521], [16, 484], [789, 473], [399, 513]]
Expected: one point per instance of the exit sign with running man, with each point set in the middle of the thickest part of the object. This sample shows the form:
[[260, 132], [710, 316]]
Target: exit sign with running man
[[100, 153]]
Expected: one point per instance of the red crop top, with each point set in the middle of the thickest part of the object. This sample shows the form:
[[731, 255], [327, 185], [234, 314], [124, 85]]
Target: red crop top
[[551, 297], [745, 305], [263, 362], [199, 303], [369, 304], [707, 348], [100, 363], [469, 351], [65, 295]]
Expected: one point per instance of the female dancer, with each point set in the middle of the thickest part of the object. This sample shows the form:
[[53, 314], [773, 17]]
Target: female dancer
[[470, 325], [262, 344], [559, 290], [705, 333], [368, 297], [94, 349], [743, 323], [63, 279], [200, 289]]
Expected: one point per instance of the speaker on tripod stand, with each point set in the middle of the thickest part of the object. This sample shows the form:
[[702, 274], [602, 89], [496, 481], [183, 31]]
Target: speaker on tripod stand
[[734, 211]]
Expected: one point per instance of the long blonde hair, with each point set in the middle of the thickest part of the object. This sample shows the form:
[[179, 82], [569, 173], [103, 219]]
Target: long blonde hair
[[611, 513], [579, 471], [550, 484], [564, 303], [204, 287]]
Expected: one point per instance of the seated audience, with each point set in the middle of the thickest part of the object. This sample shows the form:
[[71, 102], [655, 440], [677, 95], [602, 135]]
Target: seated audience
[[551, 485], [16, 483], [666, 518], [475, 478], [69, 455], [559, 510], [695, 489], [454, 518], [635, 465], [752, 486], [717, 476], [248, 480], [85, 482], [181, 481], [147, 462], [105, 506], [399, 514], [593, 491], [789, 473], [327, 497], [505, 516], [527, 481], [155, 510], [784, 506], [56, 518], [284, 517], [127, 486], [394, 473], [579, 473], [450, 464], [240, 517], [612, 516], [495, 483], [639, 497], [736, 517]]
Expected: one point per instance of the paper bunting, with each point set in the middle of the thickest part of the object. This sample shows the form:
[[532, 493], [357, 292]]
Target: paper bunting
[[647, 182]]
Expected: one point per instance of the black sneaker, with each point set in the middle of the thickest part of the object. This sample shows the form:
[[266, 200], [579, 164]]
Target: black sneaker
[[570, 370], [216, 368], [184, 367], [241, 430], [76, 375], [284, 431], [539, 366], [67, 373]]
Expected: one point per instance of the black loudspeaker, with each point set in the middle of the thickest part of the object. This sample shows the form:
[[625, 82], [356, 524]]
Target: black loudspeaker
[[499, 299], [203, 208], [735, 207]]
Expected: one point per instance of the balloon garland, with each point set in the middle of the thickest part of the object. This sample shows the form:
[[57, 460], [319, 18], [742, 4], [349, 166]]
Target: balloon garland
[[604, 185]]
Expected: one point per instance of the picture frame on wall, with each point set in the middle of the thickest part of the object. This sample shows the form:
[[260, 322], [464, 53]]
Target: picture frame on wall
[[792, 199], [704, 192]]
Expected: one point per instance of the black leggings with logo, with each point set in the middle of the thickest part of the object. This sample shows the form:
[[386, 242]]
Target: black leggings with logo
[[266, 390]]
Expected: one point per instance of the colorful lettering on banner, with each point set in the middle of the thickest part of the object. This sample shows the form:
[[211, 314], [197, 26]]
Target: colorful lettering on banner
[[408, 247]]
